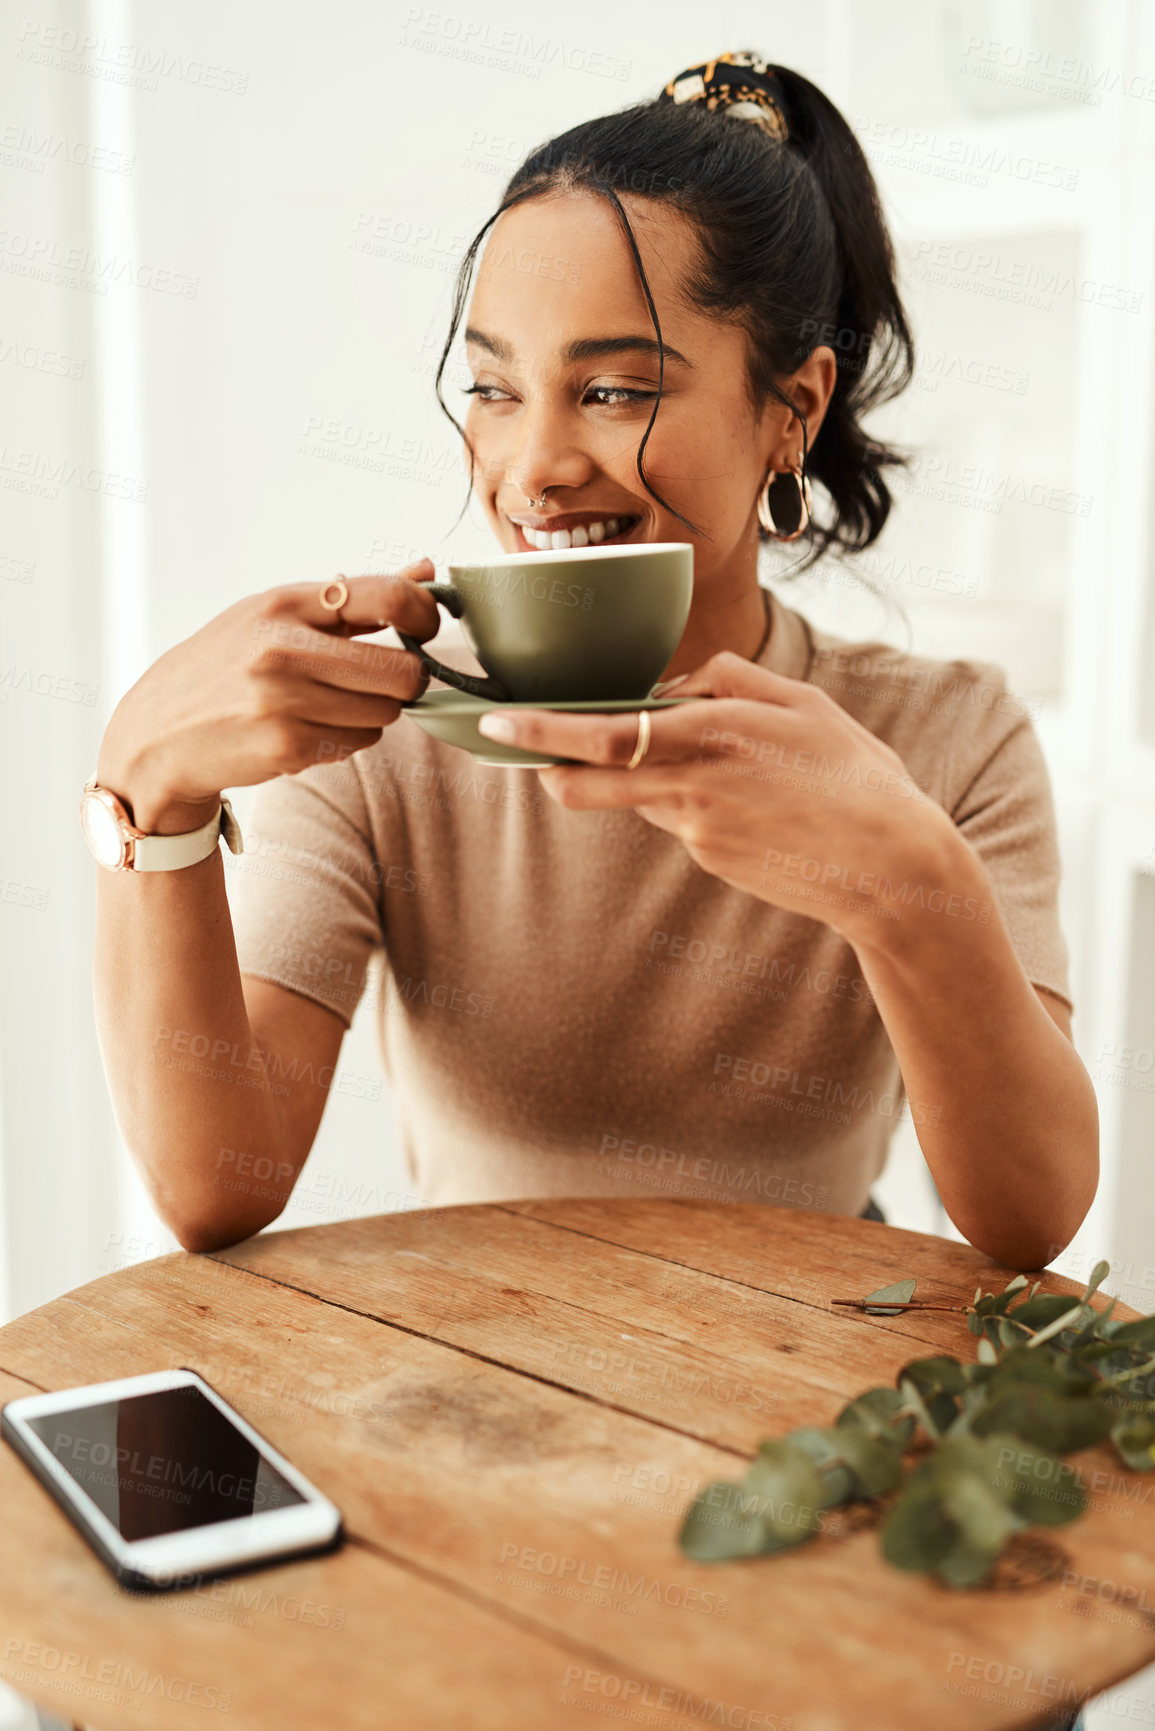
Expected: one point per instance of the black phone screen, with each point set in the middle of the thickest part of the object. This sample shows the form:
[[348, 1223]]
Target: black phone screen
[[164, 1462]]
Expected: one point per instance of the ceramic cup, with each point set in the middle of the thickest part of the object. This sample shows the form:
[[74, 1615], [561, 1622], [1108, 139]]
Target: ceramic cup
[[571, 625]]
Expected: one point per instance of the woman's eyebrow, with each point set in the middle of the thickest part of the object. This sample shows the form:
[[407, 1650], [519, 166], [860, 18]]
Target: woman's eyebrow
[[583, 348]]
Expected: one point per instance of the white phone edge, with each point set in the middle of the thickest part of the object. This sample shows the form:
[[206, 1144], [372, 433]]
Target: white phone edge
[[171, 1560]]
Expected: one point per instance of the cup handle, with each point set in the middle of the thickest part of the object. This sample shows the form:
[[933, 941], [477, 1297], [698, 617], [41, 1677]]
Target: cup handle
[[475, 684]]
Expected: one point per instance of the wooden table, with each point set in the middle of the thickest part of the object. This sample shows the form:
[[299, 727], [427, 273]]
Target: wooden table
[[512, 1406]]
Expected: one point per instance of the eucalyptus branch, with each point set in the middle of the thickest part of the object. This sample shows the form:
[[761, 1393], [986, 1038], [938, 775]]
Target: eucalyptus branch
[[997, 1426], [904, 1304], [1056, 1327], [915, 1402], [1126, 1375]]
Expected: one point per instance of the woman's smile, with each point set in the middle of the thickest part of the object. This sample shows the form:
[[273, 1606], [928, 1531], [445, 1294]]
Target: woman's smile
[[538, 533]]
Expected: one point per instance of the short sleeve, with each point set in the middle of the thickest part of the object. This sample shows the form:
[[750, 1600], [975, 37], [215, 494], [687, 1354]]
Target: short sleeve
[[1001, 799], [305, 894]]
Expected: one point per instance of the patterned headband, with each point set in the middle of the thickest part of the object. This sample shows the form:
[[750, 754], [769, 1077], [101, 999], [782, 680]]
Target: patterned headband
[[743, 81]]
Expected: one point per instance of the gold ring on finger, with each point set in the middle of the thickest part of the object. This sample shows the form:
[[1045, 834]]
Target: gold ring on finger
[[643, 745], [324, 595]]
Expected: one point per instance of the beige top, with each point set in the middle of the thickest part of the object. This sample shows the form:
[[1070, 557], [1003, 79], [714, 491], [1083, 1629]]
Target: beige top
[[570, 1005]]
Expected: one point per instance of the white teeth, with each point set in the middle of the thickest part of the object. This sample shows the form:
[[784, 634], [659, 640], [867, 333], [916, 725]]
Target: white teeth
[[545, 541]]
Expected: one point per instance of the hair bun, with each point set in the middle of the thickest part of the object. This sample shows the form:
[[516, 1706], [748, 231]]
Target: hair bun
[[741, 84]]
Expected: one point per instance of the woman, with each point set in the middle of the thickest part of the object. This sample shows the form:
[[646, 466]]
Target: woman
[[709, 958]]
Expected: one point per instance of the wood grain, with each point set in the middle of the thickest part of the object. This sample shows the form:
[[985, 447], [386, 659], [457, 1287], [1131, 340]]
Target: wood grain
[[698, 1340], [513, 1493]]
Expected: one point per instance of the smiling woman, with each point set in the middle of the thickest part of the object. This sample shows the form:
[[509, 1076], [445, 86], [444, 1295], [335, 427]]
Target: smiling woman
[[721, 949], [757, 257]]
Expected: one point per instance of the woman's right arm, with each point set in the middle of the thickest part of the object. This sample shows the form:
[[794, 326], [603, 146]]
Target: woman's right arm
[[267, 688]]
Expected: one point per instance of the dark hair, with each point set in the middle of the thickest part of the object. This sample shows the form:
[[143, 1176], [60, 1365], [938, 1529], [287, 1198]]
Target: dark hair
[[792, 244]]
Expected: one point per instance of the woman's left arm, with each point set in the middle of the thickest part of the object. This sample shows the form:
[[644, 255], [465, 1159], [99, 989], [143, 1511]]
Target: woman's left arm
[[773, 787], [1004, 1109]]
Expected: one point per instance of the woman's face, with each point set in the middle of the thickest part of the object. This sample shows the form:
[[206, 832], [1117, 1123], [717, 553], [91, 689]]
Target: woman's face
[[564, 360]]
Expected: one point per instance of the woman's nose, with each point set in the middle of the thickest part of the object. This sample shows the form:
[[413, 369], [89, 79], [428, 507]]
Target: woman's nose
[[545, 455]]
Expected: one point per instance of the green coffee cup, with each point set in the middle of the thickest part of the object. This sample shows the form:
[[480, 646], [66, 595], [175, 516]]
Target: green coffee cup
[[575, 624]]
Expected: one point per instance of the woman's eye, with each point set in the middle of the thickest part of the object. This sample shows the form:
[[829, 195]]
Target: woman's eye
[[622, 395], [611, 396]]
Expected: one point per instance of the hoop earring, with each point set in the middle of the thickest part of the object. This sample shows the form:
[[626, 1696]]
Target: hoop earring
[[794, 503]]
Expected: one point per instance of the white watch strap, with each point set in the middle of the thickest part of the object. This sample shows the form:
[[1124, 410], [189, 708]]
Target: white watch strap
[[162, 853]]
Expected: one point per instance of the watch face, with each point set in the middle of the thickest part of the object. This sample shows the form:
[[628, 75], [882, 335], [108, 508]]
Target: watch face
[[102, 831]]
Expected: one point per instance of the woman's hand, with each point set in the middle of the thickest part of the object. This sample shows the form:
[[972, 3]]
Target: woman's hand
[[273, 684], [768, 783]]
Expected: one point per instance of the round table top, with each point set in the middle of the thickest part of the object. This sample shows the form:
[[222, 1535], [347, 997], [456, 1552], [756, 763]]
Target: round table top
[[512, 1405]]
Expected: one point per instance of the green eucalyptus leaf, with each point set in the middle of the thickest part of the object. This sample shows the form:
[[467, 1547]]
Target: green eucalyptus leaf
[[719, 1524], [1128, 1406], [874, 1465], [1135, 1441], [1140, 1333], [973, 1401], [931, 1374], [950, 1518], [1042, 1416], [1008, 1295], [788, 1490], [1053, 1369], [1091, 1329], [1100, 1272], [818, 1442], [1070, 1320], [1135, 1398], [974, 1322], [1039, 1487], [984, 1519], [943, 1408], [937, 1411], [987, 1353], [878, 1413], [1096, 1351], [823, 1448], [985, 1304], [978, 1293], [1009, 1335], [1038, 1312], [976, 1455], [917, 1533], [899, 1292]]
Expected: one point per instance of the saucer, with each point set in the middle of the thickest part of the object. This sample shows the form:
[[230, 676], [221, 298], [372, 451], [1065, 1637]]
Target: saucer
[[452, 717]]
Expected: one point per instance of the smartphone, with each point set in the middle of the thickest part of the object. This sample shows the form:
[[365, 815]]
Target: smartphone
[[167, 1483]]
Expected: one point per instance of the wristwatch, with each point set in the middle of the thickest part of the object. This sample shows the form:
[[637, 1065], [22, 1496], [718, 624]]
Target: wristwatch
[[118, 845]]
